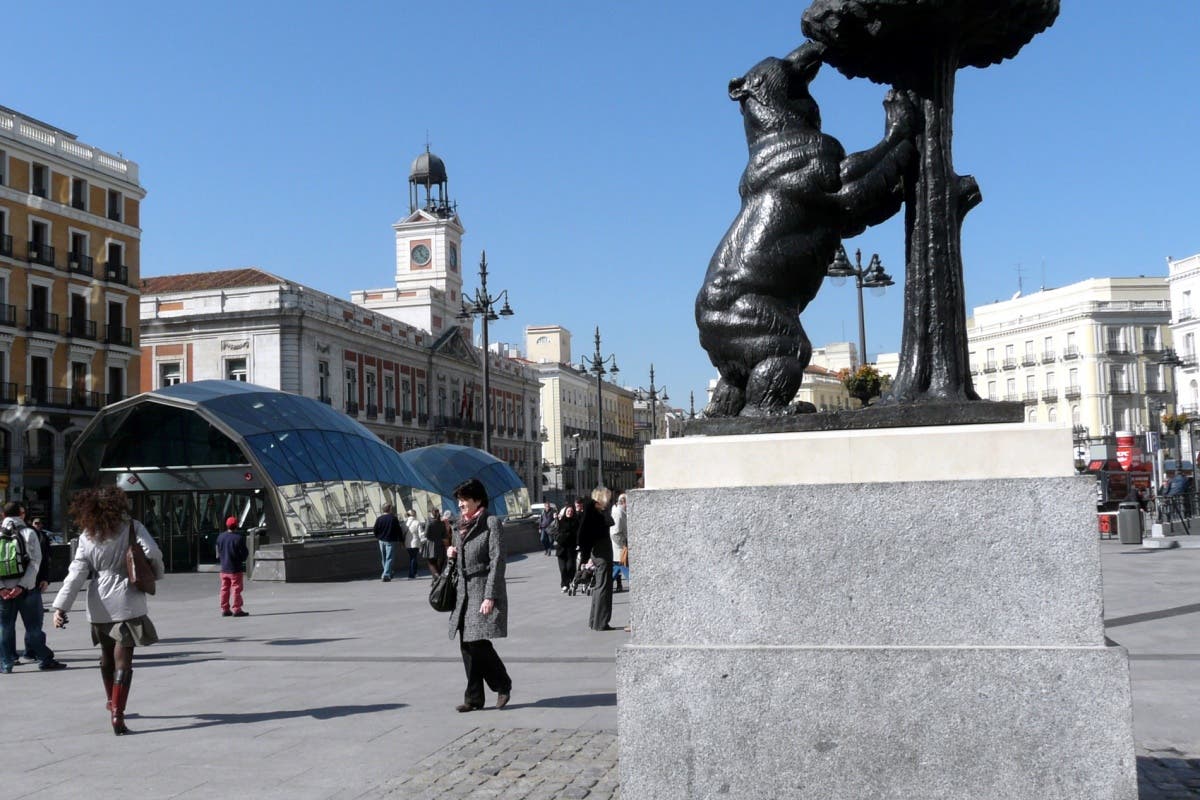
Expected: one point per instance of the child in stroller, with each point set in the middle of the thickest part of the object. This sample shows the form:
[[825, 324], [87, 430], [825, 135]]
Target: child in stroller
[[585, 579]]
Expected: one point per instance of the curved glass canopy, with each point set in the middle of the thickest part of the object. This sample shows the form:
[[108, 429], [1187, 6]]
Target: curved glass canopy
[[329, 473], [441, 467]]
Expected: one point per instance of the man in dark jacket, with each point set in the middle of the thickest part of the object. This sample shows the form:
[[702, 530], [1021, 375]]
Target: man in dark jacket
[[388, 531], [232, 550], [594, 543]]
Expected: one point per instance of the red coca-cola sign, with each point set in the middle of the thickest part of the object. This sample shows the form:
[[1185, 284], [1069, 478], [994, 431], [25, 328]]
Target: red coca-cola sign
[[1128, 452]]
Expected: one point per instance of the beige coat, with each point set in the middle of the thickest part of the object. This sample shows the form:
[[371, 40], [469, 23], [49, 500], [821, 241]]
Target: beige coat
[[110, 597]]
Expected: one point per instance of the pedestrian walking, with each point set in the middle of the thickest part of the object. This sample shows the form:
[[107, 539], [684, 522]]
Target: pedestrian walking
[[481, 613], [116, 609], [232, 551], [434, 538], [388, 531], [546, 524], [412, 543], [28, 601], [566, 544], [596, 546], [26, 573]]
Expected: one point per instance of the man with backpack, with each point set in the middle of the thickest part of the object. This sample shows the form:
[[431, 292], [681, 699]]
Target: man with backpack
[[21, 559]]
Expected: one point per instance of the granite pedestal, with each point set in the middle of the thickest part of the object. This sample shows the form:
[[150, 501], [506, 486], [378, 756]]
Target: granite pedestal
[[877, 614]]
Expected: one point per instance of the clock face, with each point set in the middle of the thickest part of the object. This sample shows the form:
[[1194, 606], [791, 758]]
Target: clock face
[[453, 257], [420, 255]]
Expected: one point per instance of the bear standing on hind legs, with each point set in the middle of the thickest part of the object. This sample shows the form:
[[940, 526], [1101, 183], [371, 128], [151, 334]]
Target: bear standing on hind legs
[[801, 195]]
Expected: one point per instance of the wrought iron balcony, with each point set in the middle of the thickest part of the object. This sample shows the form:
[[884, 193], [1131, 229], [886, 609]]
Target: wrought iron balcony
[[1072, 392], [1010, 363], [1116, 349], [389, 414], [115, 334], [1012, 397], [113, 397], [41, 253], [989, 366], [352, 408], [372, 411], [8, 314], [47, 396], [8, 393], [117, 273], [1120, 388], [1049, 395], [85, 400], [44, 321], [82, 328], [5, 245], [1028, 360], [1069, 352], [1047, 356], [80, 264]]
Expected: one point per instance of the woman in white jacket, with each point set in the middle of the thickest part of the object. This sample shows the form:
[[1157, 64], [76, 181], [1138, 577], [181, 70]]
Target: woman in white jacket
[[116, 609]]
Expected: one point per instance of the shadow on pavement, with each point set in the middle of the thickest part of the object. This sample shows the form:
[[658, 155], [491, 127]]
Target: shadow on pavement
[[571, 701], [210, 720], [310, 641], [313, 611], [1116, 622]]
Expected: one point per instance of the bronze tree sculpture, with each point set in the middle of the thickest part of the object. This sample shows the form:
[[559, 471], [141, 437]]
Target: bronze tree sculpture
[[917, 46], [800, 196]]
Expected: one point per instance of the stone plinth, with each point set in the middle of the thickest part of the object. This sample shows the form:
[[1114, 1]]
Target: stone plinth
[[871, 630]]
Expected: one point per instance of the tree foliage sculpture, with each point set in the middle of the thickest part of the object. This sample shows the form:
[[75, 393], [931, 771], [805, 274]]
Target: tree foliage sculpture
[[863, 383], [918, 46]]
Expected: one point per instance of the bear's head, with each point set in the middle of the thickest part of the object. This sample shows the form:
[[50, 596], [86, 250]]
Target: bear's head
[[774, 93]]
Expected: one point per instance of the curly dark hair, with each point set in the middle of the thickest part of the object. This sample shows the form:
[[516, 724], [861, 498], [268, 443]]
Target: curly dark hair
[[100, 512]]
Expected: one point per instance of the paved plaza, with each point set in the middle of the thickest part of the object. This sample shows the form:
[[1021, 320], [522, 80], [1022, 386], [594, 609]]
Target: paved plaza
[[347, 690]]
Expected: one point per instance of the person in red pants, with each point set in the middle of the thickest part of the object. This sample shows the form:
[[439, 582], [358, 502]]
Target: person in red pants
[[232, 550]]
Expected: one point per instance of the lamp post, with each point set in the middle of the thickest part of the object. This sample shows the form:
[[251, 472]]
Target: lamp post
[[483, 305], [596, 364], [653, 395], [873, 277]]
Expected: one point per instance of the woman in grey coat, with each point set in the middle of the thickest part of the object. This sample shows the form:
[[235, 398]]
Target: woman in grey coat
[[481, 612]]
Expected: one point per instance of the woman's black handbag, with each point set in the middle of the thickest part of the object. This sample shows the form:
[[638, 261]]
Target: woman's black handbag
[[443, 595]]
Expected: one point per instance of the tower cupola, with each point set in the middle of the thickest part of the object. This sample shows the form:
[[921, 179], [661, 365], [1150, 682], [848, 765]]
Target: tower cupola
[[429, 172]]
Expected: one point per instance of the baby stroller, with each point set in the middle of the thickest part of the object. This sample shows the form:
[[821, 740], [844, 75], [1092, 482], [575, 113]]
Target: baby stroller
[[585, 579]]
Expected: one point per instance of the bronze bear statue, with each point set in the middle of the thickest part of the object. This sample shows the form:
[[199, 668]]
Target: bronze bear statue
[[801, 195]]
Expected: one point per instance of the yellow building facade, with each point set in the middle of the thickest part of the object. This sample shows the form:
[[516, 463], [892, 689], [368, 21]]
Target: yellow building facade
[[69, 253]]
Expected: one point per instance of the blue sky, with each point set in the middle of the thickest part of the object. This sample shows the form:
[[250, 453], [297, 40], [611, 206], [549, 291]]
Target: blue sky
[[591, 147]]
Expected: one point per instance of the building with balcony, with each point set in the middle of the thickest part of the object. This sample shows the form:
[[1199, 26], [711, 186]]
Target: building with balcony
[[1087, 354], [570, 455], [406, 385], [69, 248]]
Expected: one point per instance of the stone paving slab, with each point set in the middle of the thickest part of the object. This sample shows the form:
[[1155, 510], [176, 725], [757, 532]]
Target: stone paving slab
[[347, 690], [1167, 776], [515, 764]]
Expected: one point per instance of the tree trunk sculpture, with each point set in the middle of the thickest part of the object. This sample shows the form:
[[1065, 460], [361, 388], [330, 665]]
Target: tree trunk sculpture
[[918, 46]]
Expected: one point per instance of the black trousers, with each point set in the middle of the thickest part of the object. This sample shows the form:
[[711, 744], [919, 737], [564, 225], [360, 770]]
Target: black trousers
[[483, 665], [601, 595], [566, 569]]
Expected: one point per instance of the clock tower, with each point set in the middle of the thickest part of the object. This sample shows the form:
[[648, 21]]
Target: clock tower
[[428, 288]]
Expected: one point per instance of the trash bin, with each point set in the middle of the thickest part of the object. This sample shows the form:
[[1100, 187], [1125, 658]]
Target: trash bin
[[1129, 523]]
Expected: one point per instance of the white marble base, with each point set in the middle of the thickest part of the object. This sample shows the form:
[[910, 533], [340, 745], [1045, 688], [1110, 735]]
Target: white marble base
[[951, 452]]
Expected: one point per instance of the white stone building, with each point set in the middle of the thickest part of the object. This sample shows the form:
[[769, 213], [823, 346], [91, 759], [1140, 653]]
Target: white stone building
[[1086, 353], [568, 406]]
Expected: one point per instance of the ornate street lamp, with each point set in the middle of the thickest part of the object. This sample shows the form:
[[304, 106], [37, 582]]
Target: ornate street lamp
[[483, 305], [653, 395], [873, 277], [596, 364]]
